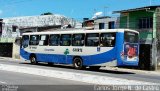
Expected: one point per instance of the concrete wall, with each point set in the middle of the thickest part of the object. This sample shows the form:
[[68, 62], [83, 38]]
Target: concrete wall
[[9, 36], [131, 20], [16, 51], [105, 21]]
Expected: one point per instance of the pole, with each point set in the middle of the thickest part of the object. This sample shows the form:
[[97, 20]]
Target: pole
[[150, 2], [105, 10], [154, 43]]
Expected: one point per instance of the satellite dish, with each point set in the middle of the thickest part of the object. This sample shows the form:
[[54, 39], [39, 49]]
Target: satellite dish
[[97, 14]]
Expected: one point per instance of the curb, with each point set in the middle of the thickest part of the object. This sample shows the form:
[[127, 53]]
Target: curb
[[132, 70]]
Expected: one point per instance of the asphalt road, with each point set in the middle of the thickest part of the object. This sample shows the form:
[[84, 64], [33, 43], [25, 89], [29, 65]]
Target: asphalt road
[[13, 78], [12, 81], [110, 73]]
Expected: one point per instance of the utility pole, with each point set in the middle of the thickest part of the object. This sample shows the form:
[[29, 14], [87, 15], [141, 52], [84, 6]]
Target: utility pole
[[95, 11], [105, 7], [150, 3], [155, 40]]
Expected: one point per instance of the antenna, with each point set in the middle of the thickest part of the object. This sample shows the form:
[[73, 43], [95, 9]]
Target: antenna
[[105, 7], [150, 2]]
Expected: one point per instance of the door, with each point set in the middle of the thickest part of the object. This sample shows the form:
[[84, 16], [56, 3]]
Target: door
[[24, 47]]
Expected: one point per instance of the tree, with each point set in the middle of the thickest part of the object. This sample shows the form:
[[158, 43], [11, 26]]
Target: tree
[[47, 13]]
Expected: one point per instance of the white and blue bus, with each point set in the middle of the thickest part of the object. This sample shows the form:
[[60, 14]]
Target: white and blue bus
[[82, 48]]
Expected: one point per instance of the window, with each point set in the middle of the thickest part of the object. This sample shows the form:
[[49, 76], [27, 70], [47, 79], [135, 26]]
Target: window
[[111, 25], [78, 40], [34, 40], [101, 25], [131, 37], [25, 41], [54, 40], [92, 39], [108, 39], [65, 39], [14, 28], [145, 23], [0, 26], [43, 40]]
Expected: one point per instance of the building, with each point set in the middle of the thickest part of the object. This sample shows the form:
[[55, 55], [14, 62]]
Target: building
[[146, 21], [104, 22], [11, 28]]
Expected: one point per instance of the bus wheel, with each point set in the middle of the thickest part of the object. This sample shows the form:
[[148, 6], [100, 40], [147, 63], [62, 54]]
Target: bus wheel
[[94, 67], [78, 63], [33, 60]]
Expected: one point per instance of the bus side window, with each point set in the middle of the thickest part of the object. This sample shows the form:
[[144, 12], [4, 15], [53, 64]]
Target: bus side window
[[65, 40], [34, 40], [43, 40], [54, 40], [108, 39], [25, 41], [78, 40], [92, 39]]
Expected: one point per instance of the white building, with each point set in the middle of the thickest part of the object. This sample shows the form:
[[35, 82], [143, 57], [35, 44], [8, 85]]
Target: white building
[[104, 22], [11, 28]]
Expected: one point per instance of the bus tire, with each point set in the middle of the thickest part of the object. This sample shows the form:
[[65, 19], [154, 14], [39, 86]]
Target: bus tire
[[33, 59], [78, 63], [94, 67]]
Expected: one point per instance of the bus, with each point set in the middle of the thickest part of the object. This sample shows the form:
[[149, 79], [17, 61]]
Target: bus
[[82, 48]]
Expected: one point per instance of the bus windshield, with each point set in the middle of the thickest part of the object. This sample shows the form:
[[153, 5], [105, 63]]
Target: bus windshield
[[131, 37]]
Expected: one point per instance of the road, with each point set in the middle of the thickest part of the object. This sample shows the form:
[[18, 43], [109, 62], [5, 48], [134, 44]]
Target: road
[[25, 82], [110, 73], [14, 78], [66, 75]]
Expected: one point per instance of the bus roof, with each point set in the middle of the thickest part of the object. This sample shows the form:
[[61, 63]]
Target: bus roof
[[73, 31]]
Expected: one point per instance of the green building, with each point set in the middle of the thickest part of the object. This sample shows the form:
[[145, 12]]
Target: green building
[[146, 20]]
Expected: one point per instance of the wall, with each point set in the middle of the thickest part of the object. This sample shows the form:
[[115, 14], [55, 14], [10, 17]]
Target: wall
[[104, 20], [16, 51], [130, 20], [34, 21], [8, 36]]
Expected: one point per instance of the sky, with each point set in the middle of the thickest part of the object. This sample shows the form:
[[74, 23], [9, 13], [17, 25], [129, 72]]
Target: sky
[[77, 9]]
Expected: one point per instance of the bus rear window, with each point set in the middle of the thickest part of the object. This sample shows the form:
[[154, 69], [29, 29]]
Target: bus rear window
[[131, 37]]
